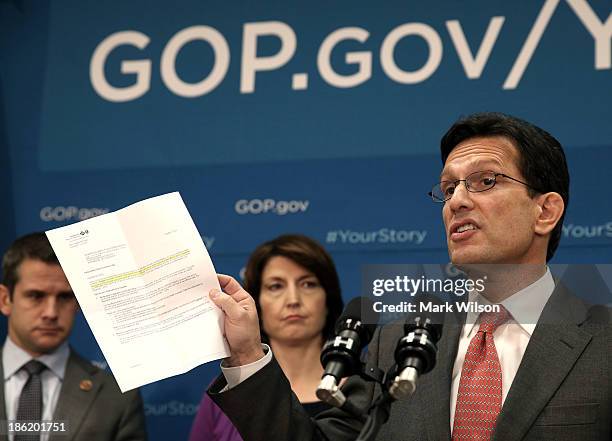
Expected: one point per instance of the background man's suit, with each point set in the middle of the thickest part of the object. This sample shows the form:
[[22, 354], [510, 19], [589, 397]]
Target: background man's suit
[[562, 390], [101, 413]]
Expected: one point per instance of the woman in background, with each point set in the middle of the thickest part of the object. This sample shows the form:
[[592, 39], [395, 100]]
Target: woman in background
[[294, 283]]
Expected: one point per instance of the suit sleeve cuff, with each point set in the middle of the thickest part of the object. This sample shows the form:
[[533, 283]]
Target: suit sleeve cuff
[[236, 375]]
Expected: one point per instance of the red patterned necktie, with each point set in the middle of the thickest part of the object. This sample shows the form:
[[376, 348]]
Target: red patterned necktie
[[479, 399]]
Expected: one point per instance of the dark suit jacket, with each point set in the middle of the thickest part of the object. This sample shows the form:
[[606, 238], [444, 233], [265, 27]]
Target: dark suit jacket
[[562, 390], [101, 413]]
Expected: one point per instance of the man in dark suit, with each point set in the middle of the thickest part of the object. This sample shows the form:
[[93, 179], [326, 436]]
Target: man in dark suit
[[43, 378], [537, 370]]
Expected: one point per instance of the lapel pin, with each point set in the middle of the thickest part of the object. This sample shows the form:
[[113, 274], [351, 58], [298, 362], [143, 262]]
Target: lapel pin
[[86, 385]]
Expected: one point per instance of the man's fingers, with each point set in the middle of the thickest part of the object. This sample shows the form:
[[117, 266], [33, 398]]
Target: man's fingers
[[230, 286], [227, 304], [241, 324], [234, 309]]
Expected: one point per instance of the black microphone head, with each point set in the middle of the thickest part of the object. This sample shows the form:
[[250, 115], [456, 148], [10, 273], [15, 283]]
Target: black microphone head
[[426, 322], [431, 320], [359, 309], [418, 349], [352, 309]]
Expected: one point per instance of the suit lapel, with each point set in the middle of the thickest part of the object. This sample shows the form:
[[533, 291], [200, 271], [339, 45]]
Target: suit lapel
[[439, 426], [553, 349], [79, 390]]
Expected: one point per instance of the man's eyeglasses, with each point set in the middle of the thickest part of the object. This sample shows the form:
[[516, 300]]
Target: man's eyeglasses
[[474, 183]]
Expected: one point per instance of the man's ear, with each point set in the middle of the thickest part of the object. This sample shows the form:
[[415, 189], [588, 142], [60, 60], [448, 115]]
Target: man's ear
[[5, 301], [550, 210]]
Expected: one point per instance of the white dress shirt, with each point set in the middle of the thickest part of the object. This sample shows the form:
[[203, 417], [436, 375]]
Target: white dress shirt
[[13, 358], [511, 338], [237, 374]]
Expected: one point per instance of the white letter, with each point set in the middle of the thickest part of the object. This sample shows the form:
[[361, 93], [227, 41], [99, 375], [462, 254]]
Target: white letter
[[529, 47], [601, 33], [432, 39], [216, 75], [377, 287], [473, 66], [362, 59], [45, 214], [241, 206], [142, 68], [251, 63], [268, 204]]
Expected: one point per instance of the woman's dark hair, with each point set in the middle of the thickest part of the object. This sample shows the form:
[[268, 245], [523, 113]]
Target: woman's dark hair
[[541, 158], [307, 253]]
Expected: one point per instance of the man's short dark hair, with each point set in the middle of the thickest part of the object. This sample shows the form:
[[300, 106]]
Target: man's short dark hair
[[33, 246], [541, 158], [307, 253]]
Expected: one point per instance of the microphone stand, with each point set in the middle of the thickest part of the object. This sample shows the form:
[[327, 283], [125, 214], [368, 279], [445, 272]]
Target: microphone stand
[[379, 411], [377, 416], [415, 355]]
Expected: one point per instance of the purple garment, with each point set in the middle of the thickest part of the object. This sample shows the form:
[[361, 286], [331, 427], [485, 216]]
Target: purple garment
[[211, 424]]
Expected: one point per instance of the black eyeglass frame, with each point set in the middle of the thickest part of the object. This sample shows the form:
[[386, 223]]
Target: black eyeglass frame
[[467, 187]]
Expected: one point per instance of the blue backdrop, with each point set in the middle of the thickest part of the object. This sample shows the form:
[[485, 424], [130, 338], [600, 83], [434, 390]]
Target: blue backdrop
[[271, 117]]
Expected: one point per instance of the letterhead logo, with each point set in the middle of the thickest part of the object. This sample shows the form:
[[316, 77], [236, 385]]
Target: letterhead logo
[[265, 206]]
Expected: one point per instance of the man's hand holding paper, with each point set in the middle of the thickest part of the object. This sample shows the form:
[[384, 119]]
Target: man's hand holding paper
[[241, 322]]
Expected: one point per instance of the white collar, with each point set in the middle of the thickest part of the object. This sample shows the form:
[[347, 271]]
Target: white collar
[[526, 305], [14, 357]]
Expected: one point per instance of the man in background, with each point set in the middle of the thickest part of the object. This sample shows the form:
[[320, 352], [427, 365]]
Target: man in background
[[43, 379]]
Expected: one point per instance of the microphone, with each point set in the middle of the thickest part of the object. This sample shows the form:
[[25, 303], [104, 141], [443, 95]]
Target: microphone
[[340, 356], [415, 355]]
